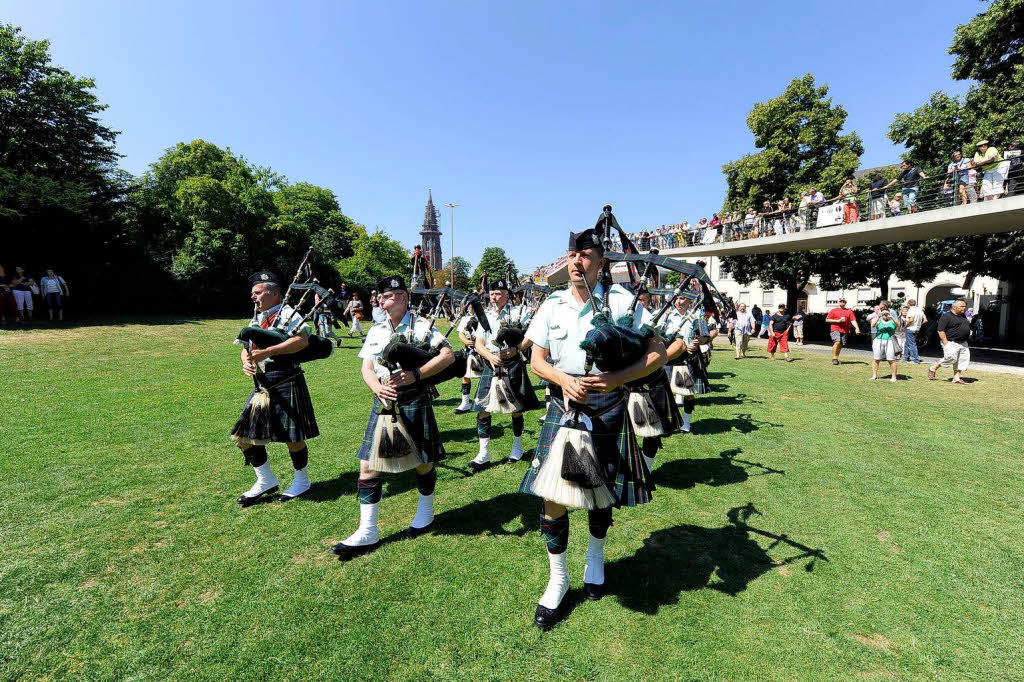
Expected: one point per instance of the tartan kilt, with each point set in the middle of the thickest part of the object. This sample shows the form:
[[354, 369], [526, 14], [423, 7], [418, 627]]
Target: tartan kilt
[[418, 411], [695, 366], [658, 388], [292, 418], [618, 453], [518, 377]]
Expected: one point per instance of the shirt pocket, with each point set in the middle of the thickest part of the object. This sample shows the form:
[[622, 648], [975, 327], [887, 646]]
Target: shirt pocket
[[557, 338]]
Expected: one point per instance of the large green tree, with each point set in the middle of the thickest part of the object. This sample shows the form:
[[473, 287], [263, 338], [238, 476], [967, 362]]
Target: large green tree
[[375, 254], [802, 144], [207, 218], [462, 268], [494, 262], [58, 172]]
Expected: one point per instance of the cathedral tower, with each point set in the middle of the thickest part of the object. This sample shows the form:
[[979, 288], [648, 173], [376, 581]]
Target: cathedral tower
[[431, 235]]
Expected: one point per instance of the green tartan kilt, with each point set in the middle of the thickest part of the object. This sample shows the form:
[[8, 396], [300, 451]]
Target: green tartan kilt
[[418, 412], [519, 378], [696, 367], [292, 418], [619, 455], [658, 388]]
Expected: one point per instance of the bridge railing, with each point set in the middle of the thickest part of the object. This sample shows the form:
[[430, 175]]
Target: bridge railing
[[939, 189]]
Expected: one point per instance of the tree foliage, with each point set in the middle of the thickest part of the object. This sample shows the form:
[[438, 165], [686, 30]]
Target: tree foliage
[[494, 262], [374, 255], [462, 269]]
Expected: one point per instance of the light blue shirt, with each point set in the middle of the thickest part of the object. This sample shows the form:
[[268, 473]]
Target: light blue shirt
[[561, 323]]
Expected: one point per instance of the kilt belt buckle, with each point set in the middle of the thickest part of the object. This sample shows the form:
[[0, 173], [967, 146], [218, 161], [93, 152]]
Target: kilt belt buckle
[[568, 416]]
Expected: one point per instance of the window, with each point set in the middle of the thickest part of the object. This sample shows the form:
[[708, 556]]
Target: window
[[768, 299], [832, 297], [897, 293], [745, 297], [864, 296]]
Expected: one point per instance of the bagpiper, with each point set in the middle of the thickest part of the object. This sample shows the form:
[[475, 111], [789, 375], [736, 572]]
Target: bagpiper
[[401, 433], [289, 418], [686, 330], [504, 385], [466, 328], [580, 397]]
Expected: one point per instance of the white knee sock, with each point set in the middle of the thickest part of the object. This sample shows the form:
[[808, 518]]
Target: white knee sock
[[593, 573], [558, 581]]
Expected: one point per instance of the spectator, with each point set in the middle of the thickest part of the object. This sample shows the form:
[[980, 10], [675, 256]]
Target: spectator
[[765, 218], [883, 345], [954, 333], [913, 320], [803, 213], [911, 177], [786, 215], [958, 172], [355, 310], [55, 289], [840, 318], [877, 196], [987, 160], [6, 297], [1014, 169], [749, 221], [979, 332], [873, 318], [817, 198], [742, 329], [756, 312], [22, 284], [848, 195], [779, 337], [343, 294], [766, 325], [798, 326], [894, 204]]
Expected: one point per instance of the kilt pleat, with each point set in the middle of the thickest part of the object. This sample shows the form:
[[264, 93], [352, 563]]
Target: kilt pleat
[[418, 413], [519, 378], [615, 444], [291, 419]]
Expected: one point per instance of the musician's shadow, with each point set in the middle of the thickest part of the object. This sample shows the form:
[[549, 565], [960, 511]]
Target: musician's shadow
[[491, 516], [726, 469], [721, 375], [469, 433], [742, 422], [738, 399], [687, 557]]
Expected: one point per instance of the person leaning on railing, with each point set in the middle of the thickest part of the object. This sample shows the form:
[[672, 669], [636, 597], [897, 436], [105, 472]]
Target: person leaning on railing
[[1013, 172], [958, 172], [987, 160], [848, 195], [911, 176]]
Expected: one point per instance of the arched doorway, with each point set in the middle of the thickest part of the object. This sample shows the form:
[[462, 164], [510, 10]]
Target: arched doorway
[[942, 292]]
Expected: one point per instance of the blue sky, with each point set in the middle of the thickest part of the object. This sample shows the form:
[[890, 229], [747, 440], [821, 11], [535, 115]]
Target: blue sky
[[530, 115]]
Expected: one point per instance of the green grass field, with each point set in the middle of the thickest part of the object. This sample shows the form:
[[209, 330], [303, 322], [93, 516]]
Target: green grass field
[[821, 526]]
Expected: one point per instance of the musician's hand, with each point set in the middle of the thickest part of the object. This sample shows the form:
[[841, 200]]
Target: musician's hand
[[573, 388], [259, 354], [402, 378], [602, 383], [249, 368], [692, 347], [386, 392], [507, 353]]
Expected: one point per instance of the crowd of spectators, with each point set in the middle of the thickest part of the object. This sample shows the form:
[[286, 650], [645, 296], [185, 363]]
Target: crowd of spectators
[[988, 175], [20, 292]]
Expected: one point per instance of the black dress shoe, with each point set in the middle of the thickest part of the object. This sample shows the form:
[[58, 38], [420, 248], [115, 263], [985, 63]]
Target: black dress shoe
[[477, 467], [249, 501], [548, 618], [346, 552], [593, 592], [416, 532]]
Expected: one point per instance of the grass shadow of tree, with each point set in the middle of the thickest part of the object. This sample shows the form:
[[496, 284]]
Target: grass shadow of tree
[[490, 516], [742, 422], [738, 399], [687, 557], [726, 469]]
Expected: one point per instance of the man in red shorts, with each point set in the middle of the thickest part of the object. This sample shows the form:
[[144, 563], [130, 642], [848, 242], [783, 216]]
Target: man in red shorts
[[840, 318], [779, 333]]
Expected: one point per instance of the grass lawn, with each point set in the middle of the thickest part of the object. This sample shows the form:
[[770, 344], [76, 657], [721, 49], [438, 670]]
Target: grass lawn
[[820, 526]]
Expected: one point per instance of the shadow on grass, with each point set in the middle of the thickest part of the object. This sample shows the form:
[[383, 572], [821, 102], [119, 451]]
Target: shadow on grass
[[738, 399], [721, 375], [688, 557], [490, 516], [744, 423], [726, 469], [345, 486], [118, 321]]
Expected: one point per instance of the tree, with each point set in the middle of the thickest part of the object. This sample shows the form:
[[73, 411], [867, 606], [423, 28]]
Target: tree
[[374, 256], [494, 262], [57, 169], [800, 137], [462, 267]]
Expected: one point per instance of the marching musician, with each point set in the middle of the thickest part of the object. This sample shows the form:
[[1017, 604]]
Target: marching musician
[[508, 360], [558, 327], [412, 399], [686, 330], [291, 417], [466, 329]]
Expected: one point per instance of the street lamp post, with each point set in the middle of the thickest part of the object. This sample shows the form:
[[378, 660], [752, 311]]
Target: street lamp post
[[452, 205]]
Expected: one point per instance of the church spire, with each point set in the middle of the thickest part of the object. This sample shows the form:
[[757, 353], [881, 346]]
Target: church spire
[[431, 234]]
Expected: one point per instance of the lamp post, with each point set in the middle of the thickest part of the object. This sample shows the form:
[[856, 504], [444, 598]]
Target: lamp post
[[452, 205]]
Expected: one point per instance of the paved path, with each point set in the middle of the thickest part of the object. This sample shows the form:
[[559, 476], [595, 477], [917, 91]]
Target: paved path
[[983, 359]]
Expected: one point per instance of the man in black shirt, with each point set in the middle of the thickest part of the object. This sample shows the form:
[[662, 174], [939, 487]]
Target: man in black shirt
[[778, 336], [756, 312], [954, 332], [911, 177]]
